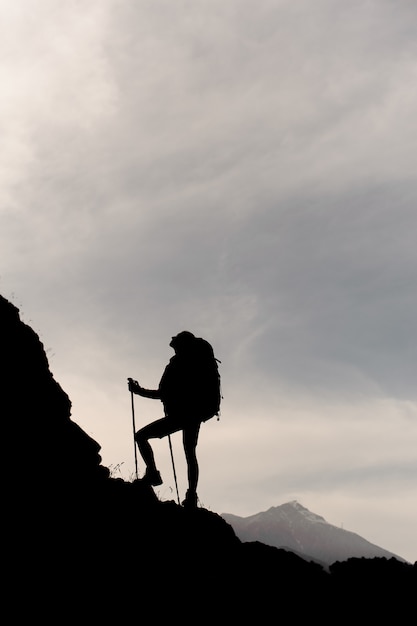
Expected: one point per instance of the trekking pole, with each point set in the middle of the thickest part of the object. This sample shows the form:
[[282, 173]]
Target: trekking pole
[[173, 467], [134, 431]]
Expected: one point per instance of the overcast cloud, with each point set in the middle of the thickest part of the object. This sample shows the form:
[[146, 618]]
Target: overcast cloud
[[245, 171]]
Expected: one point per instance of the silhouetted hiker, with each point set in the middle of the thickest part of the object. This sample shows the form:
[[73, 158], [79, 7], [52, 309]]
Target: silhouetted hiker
[[190, 392]]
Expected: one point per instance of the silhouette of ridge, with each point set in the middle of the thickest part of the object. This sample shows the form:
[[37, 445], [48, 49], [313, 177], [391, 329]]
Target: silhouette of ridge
[[82, 545]]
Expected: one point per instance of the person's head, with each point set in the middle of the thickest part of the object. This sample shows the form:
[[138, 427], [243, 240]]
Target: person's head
[[182, 341]]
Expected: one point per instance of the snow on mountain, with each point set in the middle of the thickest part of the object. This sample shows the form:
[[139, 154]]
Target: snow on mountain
[[293, 527]]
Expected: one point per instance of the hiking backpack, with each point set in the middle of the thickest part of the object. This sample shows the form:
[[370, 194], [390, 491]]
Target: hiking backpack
[[208, 373]]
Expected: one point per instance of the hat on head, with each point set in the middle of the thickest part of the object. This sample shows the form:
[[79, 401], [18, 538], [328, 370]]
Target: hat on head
[[182, 339]]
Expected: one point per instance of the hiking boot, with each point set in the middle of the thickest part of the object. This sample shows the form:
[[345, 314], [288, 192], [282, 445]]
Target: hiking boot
[[190, 501], [152, 477]]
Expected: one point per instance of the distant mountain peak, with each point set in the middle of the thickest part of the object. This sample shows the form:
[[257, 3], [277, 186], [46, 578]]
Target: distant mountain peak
[[294, 507], [293, 527]]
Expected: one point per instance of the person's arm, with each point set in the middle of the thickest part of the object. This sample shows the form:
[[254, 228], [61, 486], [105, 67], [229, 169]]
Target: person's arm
[[134, 387]]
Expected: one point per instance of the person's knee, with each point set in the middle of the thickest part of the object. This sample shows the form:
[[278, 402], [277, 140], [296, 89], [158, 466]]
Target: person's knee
[[140, 436]]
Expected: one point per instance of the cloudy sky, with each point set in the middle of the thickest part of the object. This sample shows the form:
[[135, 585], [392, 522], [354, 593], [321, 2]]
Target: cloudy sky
[[246, 171]]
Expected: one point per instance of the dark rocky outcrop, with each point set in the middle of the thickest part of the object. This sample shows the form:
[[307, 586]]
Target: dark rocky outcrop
[[81, 545], [45, 442]]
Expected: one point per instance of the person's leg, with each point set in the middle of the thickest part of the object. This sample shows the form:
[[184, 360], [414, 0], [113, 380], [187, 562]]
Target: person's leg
[[190, 438], [157, 429]]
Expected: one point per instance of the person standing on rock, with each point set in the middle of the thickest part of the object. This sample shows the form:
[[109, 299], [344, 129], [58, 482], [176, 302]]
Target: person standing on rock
[[190, 393]]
